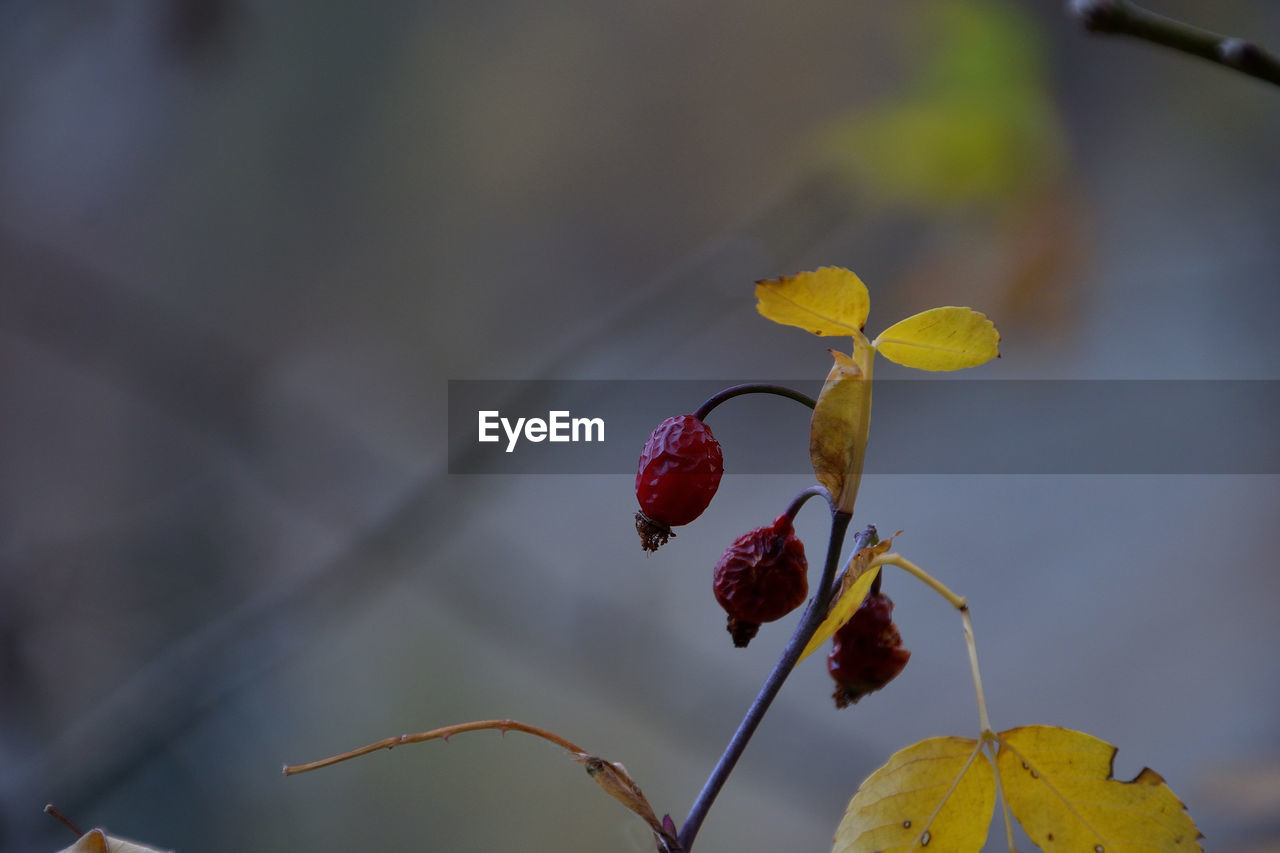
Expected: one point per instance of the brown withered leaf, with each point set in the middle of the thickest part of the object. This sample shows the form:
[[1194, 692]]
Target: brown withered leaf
[[97, 841], [841, 424], [617, 783]]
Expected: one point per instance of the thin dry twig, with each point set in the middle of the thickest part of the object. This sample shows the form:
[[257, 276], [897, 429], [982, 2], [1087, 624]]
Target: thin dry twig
[[611, 776], [442, 733]]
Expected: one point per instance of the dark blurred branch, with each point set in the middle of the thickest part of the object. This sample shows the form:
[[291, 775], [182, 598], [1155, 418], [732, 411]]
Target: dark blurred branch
[[1119, 17]]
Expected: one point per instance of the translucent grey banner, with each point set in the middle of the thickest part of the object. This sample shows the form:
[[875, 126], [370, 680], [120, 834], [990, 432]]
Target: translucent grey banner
[[943, 426]]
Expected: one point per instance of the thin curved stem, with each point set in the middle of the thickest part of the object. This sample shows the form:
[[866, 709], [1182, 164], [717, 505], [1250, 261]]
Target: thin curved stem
[[959, 602], [443, 733], [800, 499], [813, 617], [983, 719], [1120, 17], [752, 388]]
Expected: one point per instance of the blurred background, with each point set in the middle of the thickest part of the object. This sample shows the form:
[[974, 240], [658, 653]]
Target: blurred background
[[245, 245]]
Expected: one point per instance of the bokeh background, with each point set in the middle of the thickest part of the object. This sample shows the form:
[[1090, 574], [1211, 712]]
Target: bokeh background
[[245, 245]]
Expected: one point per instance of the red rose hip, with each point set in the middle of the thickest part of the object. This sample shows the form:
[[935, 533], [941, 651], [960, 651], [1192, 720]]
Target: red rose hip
[[679, 472], [867, 653], [761, 577]]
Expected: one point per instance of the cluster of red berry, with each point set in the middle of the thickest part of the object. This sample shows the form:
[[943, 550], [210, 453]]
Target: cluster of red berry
[[763, 575]]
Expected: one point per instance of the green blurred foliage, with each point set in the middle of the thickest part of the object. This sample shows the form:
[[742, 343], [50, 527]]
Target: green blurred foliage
[[976, 123]]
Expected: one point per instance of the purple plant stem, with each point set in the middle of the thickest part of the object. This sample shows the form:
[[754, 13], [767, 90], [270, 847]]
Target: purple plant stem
[[809, 623]]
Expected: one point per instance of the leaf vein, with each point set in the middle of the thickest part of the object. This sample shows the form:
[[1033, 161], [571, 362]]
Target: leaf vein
[[807, 310]]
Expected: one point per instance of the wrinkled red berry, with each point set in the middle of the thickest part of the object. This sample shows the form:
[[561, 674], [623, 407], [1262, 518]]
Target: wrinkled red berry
[[867, 653], [761, 577], [679, 472]]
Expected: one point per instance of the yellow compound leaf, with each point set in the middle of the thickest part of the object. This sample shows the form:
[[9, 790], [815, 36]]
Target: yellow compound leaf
[[940, 339], [1059, 785], [936, 795], [827, 301], [854, 585], [841, 424]]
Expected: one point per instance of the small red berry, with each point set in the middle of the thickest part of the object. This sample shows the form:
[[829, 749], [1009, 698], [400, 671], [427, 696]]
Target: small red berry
[[761, 577], [679, 472], [867, 653]]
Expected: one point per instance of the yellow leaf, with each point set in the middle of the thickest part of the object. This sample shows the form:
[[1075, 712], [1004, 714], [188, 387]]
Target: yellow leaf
[[841, 424], [827, 301], [854, 585], [940, 339], [1059, 785], [936, 795]]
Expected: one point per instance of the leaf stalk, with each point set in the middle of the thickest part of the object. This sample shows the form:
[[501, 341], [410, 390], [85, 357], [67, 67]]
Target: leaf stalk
[[959, 602], [894, 559]]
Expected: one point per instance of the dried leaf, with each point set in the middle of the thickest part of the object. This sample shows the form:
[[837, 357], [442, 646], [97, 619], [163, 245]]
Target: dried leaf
[[92, 841], [610, 776], [827, 301], [841, 424], [854, 584], [97, 841], [947, 338], [936, 794], [1060, 787], [617, 783]]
